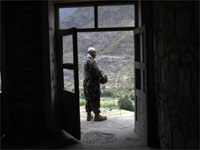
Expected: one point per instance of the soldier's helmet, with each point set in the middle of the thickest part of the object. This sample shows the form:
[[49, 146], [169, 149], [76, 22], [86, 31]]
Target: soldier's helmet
[[103, 79]]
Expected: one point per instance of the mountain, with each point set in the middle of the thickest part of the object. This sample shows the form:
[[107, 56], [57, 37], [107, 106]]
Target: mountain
[[115, 50], [66, 12]]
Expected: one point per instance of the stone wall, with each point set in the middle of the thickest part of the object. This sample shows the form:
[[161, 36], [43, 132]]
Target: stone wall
[[24, 89], [176, 45]]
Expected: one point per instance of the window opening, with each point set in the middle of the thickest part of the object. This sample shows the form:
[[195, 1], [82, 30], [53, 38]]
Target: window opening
[[78, 17], [67, 49], [116, 16], [138, 79], [137, 48], [68, 78], [97, 16]]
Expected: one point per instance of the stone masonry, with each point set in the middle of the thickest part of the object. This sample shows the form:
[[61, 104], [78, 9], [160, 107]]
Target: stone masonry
[[176, 59]]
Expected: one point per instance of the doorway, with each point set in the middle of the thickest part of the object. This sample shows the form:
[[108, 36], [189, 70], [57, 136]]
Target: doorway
[[115, 57], [91, 22]]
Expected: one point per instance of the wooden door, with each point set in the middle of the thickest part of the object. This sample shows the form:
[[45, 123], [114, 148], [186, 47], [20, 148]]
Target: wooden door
[[140, 83], [68, 84]]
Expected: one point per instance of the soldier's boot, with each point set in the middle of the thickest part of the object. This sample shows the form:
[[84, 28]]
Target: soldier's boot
[[99, 117], [89, 116]]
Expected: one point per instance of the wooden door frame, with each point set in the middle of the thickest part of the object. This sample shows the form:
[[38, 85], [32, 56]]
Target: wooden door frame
[[146, 18], [95, 4], [141, 124], [143, 17]]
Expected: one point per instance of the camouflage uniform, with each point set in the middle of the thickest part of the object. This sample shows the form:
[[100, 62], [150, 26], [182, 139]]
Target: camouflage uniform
[[91, 85]]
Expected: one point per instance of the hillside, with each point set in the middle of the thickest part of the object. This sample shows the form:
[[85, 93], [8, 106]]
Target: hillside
[[115, 50]]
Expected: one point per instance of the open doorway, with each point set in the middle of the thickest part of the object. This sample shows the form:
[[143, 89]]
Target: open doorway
[[118, 59], [115, 57]]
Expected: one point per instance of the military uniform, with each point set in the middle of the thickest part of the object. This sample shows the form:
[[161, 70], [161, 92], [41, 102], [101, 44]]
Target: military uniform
[[91, 85]]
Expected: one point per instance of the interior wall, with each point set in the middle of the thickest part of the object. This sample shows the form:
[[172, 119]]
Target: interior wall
[[23, 70], [176, 51]]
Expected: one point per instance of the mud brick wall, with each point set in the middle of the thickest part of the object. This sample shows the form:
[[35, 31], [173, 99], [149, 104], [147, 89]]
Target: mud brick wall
[[176, 48]]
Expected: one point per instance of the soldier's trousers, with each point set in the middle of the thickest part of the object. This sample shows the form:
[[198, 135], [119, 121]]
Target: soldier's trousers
[[92, 96]]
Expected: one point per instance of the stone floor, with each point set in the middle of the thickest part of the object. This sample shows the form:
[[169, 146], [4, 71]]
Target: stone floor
[[114, 133], [117, 132]]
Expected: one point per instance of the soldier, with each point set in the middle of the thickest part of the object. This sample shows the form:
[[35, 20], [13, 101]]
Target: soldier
[[91, 86]]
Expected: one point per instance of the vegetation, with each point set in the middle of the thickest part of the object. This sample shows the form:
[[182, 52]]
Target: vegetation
[[110, 105], [125, 103], [82, 102], [105, 93], [118, 93], [105, 104], [112, 100], [81, 92]]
